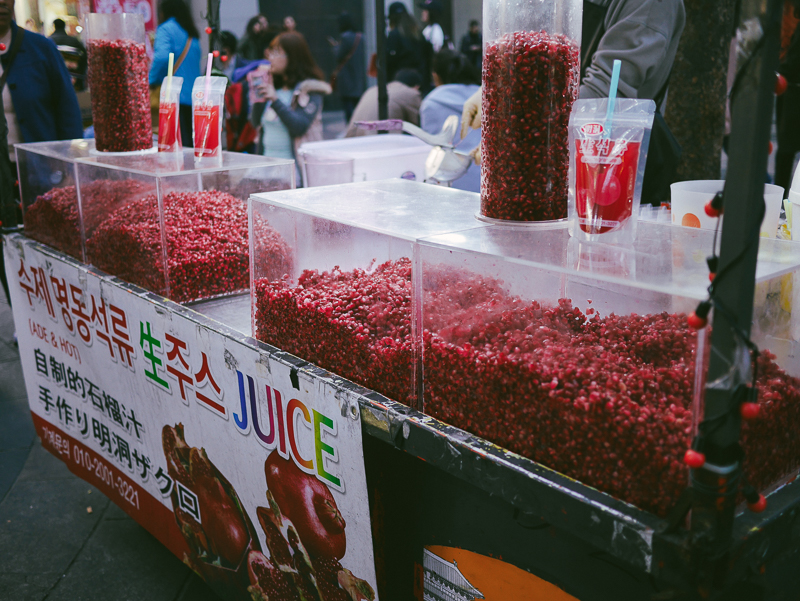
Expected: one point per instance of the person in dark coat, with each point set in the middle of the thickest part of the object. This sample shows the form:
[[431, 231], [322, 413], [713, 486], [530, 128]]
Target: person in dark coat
[[788, 111], [405, 46], [39, 102], [8, 203], [73, 51], [472, 44], [44, 103], [256, 38], [351, 74]]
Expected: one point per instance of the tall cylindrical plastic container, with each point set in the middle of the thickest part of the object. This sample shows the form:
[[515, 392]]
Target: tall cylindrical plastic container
[[118, 69], [531, 67]]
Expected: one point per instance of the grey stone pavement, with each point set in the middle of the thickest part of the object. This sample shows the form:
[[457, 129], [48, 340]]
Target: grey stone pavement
[[51, 547]]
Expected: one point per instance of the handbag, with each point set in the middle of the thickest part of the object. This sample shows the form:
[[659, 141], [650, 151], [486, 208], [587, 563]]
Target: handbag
[[663, 156], [343, 62], [155, 90]]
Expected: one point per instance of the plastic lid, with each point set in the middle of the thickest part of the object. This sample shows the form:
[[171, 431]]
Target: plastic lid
[[796, 181], [369, 147]]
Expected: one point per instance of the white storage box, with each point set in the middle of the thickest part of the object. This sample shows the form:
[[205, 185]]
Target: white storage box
[[378, 157]]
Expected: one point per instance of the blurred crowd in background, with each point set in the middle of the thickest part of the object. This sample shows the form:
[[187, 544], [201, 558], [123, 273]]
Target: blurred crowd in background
[[429, 73]]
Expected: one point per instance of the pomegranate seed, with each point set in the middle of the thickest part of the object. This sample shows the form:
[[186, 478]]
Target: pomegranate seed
[[209, 30]]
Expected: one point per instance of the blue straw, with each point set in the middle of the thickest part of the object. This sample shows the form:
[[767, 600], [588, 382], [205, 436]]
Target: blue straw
[[612, 97]]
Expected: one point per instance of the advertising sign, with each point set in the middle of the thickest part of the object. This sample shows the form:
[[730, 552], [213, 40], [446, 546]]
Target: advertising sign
[[146, 8], [249, 471], [461, 575]]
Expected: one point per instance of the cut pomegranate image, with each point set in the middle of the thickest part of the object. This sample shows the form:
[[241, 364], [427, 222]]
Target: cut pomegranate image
[[305, 539], [210, 516]]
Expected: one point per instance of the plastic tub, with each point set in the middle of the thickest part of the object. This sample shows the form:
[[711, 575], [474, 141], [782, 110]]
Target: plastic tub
[[118, 69], [531, 65], [689, 198], [325, 170]]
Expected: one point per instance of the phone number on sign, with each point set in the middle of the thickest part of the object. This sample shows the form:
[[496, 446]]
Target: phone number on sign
[[101, 469]]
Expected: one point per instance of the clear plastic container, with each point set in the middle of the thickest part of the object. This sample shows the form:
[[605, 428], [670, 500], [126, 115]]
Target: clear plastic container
[[531, 67], [346, 303], [162, 223], [578, 355], [118, 69], [325, 169], [51, 211]]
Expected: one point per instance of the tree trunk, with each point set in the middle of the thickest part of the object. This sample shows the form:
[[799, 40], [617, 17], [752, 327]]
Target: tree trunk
[[698, 89]]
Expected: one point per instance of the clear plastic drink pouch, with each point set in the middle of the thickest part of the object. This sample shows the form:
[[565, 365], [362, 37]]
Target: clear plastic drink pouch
[[169, 122], [207, 116], [606, 168]]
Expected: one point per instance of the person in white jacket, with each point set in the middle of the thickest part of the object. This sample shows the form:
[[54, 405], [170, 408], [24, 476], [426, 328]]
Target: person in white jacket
[[431, 13]]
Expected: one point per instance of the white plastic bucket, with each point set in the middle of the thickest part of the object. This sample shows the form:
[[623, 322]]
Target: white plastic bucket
[[794, 198], [688, 200]]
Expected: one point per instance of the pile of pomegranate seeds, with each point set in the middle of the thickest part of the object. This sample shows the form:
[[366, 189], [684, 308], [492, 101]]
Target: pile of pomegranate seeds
[[355, 324], [605, 400], [772, 450], [53, 218], [207, 245], [530, 80], [118, 77]]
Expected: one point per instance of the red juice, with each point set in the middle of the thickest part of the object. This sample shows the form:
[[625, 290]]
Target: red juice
[[206, 130], [605, 179], [169, 131]]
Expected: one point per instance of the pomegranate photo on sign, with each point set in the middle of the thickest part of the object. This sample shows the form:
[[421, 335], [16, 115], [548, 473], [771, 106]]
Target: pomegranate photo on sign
[[210, 516], [305, 539], [309, 504]]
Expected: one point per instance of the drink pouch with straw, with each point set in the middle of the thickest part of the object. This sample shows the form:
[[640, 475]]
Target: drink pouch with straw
[[169, 123], [608, 150], [207, 101]]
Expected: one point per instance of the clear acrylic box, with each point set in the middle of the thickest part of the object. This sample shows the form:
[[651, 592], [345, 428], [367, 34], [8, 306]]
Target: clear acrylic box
[[162, 223], [51, 213], [579, 355], [345, 305]]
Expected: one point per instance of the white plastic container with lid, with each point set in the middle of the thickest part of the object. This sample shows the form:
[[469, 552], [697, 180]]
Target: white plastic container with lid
[[689, 198], [794, 198], [377, 157]]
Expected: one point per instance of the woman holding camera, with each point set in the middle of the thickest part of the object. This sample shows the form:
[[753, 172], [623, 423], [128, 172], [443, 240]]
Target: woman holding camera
[[291, 111]]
